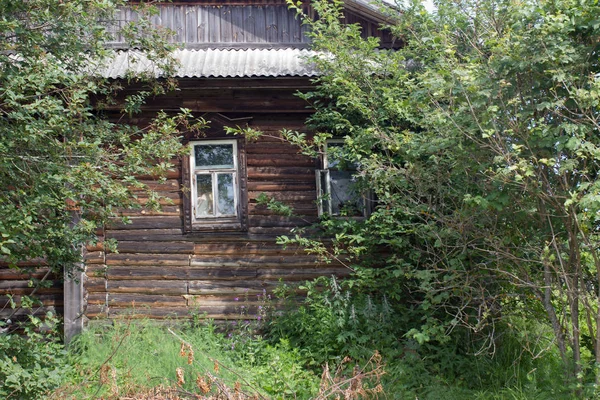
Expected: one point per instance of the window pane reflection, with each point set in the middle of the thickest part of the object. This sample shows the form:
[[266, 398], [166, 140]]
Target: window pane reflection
[[226, 202], [210, 156], [344, 198], [204, 198]]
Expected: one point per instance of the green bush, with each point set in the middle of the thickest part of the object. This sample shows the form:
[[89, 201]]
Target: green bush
[[32, 359]]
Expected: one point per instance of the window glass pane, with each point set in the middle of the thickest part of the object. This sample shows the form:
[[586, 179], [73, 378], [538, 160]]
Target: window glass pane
[[334, 160], [225, 201], [204, 196], [325, 197], [213, 156], [333, 151], [344, 198]]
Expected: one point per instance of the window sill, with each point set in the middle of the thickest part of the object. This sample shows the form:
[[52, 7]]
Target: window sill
[[216, 225]]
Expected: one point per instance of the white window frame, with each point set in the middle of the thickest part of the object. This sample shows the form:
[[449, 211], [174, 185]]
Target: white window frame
[[324, 197], [214, 172]]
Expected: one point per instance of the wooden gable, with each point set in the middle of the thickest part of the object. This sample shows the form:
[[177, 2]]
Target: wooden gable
[[247, 24]]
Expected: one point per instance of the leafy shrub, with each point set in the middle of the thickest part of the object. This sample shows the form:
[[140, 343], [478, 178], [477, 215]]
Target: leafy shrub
[[33, 359]]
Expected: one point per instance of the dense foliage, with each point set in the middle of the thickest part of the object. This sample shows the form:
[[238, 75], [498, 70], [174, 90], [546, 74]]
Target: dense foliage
[[480, 139], [64, 169]]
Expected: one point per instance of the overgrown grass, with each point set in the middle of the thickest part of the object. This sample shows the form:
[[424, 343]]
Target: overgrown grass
[[131, 357], [335, 345]]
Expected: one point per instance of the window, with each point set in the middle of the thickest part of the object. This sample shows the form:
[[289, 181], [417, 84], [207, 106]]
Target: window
[[338, 186], [214, 201]]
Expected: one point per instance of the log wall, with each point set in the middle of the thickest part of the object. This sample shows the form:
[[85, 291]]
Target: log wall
[[162, 272], [159, 270], [17, 283]]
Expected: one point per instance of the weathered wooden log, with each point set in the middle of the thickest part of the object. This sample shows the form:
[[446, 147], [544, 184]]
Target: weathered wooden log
[[158, 235], [279, 160], [259, 186], [124, 247], [280, 174], [142, 300], [149, 222], [163, 211], [147, 259], [300, 274], [258, 261], [285, 196], [159, 286], [149, 273], [94, 257], [247, 248], [242, 288]]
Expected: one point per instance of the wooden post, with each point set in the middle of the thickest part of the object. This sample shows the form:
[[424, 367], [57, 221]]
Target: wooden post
[[73, 293], [73, 303]]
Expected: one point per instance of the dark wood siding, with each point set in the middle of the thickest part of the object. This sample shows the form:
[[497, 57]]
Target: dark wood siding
[[243, 26], [20, 282], [212, 25], [161, 271]]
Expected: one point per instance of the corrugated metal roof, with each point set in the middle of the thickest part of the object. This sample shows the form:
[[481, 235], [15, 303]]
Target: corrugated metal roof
[[218, 63]]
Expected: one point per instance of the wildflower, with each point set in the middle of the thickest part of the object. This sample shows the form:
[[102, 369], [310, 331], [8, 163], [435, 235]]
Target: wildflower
[[237, 299]]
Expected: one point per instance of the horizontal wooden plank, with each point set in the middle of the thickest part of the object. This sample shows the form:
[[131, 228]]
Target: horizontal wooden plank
[[237, 288], [308, 195], [250, 104], [162, 287], [33, 263], [147, 259], [278, 221], [279, 160], [173, 199], [149, 273], [150, 246], [260, 186], [40, 299], [168, 185], [173, 173], [164, 211], [300, 274], [96, 311], [147, 234], [298, 208], [149, 222], [277, 172], [95, 284], [269, 231], [98, 299], [17, 274], [93, 257], [262, 148], [22, 313], [257, 261], [247, 248], [164, 197], [137, 301]]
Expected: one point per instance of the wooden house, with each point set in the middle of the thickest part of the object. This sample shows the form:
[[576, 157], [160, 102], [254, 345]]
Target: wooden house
[[211, 249]]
